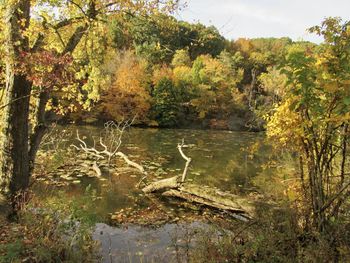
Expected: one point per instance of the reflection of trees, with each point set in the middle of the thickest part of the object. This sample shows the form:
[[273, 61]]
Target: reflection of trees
[[224, 160], [276, 175], [238, 173], [220, 159]]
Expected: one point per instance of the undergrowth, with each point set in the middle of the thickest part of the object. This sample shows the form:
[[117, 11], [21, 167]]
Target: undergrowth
[[275, 236], [57, 229]]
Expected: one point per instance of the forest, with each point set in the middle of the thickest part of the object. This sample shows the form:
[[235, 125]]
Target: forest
[[122, 125]]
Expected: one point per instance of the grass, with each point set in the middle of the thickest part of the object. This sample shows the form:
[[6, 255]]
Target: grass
[[56, 229]]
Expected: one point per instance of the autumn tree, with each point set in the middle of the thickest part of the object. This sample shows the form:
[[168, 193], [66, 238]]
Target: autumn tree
[[216, 81], [156, 38], [61, 29], [313, 119], [181, 58], [165, 107], [128, 97], [273, 86]]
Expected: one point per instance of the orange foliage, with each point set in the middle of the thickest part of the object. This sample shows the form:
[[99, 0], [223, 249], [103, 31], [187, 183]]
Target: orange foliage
[[163, 72], [128, 96]]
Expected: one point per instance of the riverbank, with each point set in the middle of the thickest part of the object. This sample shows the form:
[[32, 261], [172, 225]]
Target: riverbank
[[115, 212]]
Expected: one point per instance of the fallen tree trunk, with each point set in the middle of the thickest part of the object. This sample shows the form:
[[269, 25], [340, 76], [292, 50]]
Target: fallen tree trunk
[[176, 187], [172, 182], [234, 202], [198, 199], [234, 205], [237, 213]]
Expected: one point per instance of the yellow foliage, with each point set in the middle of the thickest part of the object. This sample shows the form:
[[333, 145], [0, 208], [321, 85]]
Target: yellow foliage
[[285, 126], [163, 72], [128, 96], [274, 82], [331, 87], [244, 44], [182, 73]]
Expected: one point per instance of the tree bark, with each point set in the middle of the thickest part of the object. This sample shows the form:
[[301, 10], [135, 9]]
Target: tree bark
[[14, 157], [236, 206], [41, 124], [40, 127], [168, 183]]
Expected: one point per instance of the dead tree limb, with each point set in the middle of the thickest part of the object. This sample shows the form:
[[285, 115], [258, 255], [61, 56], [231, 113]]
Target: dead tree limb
[[109, 145], [233, 205], [96, 169], [188, 160], [129, 162], [201, 200], [168, 183], [172, 182]]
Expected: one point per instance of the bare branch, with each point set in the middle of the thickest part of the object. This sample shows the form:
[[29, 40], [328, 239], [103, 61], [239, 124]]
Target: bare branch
[[131, 163], [78, 6], [75, 39], [188, 160], [110, 149], [334, 198], [96, 169]]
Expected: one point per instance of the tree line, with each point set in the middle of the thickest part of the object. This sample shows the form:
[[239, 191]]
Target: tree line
[[185, 74]]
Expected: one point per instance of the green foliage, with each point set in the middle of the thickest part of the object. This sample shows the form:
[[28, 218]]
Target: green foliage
[[181, 58], [216, 81], [166, 103], [13, 251], [157, 37], [204, 40], [313, 117], [208, 88]]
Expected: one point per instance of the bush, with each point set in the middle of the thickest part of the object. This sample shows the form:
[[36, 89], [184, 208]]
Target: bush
[[50, 230], [275, 236]]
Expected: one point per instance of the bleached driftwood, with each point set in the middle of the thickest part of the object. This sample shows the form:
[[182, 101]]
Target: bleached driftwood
[[188, 161], [110, 146], [131, 163], [157, 186], [96, 169]]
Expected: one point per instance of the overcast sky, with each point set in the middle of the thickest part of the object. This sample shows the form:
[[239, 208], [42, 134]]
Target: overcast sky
[[264, 18]]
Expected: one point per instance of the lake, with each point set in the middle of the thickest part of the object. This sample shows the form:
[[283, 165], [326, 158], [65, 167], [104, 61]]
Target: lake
[[237, 162]]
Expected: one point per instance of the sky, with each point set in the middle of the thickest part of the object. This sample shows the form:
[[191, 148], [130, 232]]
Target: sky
[[264, 18]]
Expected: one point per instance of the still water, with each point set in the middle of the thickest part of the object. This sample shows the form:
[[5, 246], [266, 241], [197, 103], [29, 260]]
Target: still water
[[237, 162]]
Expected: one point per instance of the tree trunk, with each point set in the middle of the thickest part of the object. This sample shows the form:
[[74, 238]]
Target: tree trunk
[[17, 154], [41, 125], [14, 158], [40, 128], [236, 206]]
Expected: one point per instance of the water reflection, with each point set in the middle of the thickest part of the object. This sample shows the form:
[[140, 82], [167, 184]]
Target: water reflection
[[169, 243], [220, 159], [229, 161]]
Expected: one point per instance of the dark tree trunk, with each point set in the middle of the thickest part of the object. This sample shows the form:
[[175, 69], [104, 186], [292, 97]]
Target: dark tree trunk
[[17, 148], [14, 158], [40, 127]]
